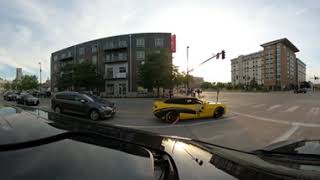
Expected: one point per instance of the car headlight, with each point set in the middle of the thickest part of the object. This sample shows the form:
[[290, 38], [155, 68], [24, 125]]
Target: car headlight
[[106, 108]]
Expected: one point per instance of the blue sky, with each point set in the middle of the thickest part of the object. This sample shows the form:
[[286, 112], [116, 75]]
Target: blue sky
[[32, 29]]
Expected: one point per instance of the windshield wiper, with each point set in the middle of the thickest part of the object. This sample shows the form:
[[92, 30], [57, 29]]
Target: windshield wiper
[[292, 157]]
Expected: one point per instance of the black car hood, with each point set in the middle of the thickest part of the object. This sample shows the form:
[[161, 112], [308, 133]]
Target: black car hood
[[117, 152]]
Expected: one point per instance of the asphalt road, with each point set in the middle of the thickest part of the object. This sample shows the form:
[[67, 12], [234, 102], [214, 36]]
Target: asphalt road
[[253, 120]]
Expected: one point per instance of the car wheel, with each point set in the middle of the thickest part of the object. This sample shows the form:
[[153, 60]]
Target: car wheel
[[57, 110], [218, 112], [171, 117], [94, 115]]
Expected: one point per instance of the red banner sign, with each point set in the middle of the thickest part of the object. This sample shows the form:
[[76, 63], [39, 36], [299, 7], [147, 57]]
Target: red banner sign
[[173, 43]]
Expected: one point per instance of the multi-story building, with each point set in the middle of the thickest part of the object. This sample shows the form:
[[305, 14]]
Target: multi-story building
[[275, 67], [117, 58], [18, 73], [247, 67], [301, 71]]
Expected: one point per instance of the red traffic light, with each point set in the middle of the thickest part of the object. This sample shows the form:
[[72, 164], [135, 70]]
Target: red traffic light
[[223, 54]]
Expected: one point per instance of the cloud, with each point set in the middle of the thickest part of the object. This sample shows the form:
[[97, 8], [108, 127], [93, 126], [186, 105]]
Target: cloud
[[301, 11]]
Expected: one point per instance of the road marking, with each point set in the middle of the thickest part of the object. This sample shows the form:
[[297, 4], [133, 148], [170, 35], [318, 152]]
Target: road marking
[[294, 123], [292, 109], [175, 125], [286, 135], [314, 111], [258, 105], [274, 107]]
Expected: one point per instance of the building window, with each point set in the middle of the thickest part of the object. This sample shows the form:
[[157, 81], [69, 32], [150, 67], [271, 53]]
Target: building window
[[94, 48], [140, 42], [110, 89], [110, 72], [122, 70], [69, 54], [122, 56], [63, 55], [81, 51], [55, 58], [159, 42], [122, 89], [140, 55], [94, 60], [122, 43]]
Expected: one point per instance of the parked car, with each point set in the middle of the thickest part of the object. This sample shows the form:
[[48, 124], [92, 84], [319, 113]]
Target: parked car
[[300, 90], [173, 109], [10, 96], [80, 103], [28, 99]]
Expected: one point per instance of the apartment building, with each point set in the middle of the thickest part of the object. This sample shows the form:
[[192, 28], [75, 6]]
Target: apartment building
[[117, 58], [301, 71], [275, 67]]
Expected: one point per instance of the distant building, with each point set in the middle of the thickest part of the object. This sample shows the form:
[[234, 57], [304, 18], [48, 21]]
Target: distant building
[[196, 83], [301, 71], [275, 67], [18, 73], [117, 58]]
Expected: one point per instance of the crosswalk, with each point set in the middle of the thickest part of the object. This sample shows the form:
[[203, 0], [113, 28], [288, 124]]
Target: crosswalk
[[280, 108]]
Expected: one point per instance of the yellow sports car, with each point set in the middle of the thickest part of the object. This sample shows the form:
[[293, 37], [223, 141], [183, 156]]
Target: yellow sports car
[[175, 109]]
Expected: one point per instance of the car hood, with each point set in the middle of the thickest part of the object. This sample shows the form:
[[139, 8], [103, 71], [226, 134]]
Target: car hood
[[115, 150], [32, 99]]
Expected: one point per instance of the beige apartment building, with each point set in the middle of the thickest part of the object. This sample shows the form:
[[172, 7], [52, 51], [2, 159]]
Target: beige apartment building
[[275, 67]]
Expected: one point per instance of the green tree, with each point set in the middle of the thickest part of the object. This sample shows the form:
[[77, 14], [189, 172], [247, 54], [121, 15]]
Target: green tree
[[7, 86], [229, 86], [80, 76], [206, 85], [27, 82], [253, 84], [157, 71], [220, 85], [65, 78]]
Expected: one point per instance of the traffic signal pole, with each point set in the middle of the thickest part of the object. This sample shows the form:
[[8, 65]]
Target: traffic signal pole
[[223, 56]]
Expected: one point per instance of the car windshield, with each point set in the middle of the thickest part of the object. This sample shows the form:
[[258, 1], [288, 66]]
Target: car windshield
[[237, 74]]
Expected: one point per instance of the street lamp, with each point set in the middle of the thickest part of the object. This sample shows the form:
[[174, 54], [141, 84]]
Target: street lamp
[[40, 77], [187, 70]]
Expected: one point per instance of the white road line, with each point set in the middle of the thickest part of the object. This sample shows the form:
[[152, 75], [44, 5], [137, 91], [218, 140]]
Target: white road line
[[258, 105], [274, 107], [313, 125], [286, 135], [291, 109], [175, 125], [314, 111]]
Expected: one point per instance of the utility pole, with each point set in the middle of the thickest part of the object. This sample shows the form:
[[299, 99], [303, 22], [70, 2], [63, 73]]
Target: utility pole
[[187, 89], [40, 77], [130, 62]]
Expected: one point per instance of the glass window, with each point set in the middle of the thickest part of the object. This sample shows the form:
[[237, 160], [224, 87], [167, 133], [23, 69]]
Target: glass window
[[110, 72], [63, 55], [122, 43], [110, 89], [94, 60], [122, 56], [94, 48], [69, 54], [55, 58], [122, 69], [81, 51], [140, 42], [140, 55], [159, 42]]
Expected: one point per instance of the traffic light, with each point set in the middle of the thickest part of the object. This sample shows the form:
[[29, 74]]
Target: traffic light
[[223, 54], [217, 56]]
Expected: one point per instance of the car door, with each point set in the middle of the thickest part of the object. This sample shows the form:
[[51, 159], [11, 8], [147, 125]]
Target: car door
[[190, 104], [76, 105]]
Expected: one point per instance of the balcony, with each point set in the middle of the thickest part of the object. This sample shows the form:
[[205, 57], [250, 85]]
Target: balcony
[[116, 76], [116, 59], [66, 57], [121, 45]]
